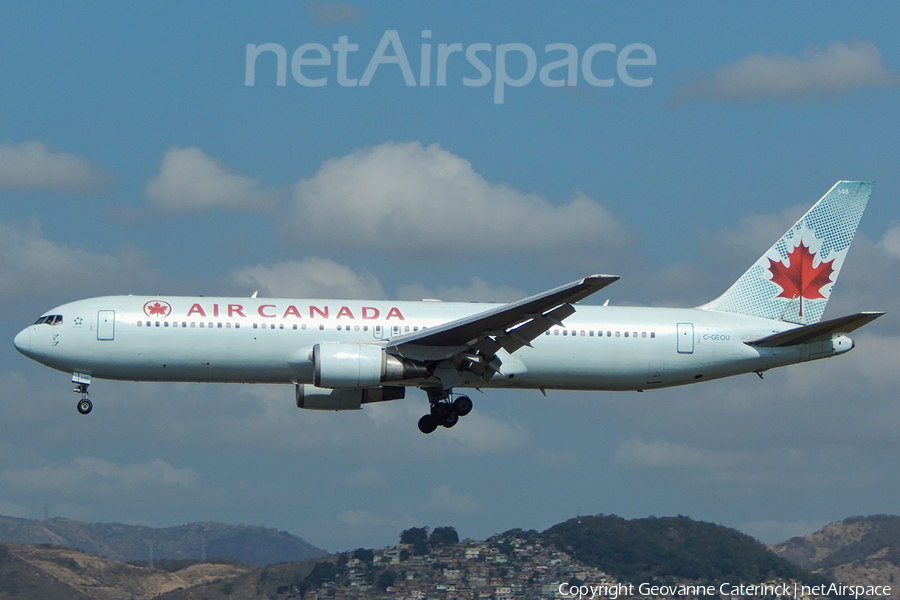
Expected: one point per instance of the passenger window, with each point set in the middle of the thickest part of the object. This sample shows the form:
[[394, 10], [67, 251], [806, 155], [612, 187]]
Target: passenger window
[[652, 334], [321, 328], [643, 334], [617, 334], [626, 334]]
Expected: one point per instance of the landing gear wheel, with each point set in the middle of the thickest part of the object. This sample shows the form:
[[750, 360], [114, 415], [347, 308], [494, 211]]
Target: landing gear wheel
[[462, 406], [427, 424], [440, 410], [450, 420], [85, 406]]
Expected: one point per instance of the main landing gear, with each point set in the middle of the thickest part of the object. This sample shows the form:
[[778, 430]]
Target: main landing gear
[[82, 382], [445, 413]]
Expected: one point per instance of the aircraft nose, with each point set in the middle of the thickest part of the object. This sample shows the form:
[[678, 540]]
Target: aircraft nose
[[23, 341]]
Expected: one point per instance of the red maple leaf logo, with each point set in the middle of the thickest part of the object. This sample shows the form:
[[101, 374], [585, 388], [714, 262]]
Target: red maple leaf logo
[[157, 308], [801, 279]]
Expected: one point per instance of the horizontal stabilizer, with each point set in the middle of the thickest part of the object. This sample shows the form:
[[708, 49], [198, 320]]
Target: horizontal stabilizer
[[816, 331]]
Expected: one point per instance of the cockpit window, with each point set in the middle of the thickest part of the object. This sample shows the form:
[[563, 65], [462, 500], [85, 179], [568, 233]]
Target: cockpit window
[[49, 320]]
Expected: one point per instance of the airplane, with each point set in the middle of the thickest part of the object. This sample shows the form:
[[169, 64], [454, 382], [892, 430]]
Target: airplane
[[342, 354]]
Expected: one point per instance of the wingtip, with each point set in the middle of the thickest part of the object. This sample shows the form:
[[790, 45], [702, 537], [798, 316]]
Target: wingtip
[[602, 276]]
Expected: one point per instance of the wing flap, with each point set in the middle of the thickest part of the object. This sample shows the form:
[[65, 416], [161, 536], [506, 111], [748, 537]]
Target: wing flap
[[816, 331]]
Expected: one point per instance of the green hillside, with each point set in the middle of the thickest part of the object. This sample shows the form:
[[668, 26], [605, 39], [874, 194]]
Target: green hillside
[[670, 547]]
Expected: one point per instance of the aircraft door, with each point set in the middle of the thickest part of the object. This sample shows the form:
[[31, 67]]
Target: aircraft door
[[685, 338], [106, 325], [378, 332]]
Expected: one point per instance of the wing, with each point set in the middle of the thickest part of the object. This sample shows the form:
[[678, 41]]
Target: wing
[[471, 343]]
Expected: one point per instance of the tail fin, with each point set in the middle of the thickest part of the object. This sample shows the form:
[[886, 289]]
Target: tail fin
[[793, 280]]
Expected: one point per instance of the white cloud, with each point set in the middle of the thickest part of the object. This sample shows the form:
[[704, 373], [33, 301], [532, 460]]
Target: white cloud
[[477, 291], [481, 432], [35, 166], [310, 278], [32, 265], [427, 203], [365, 479], [91, 475], [189, 180], [369, 520], [839, 68], [11, 509], [333, 13], [661, 454], [446, 500], [890, 243], [555, 459]]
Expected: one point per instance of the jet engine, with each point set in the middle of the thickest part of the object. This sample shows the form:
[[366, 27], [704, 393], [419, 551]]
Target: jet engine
[[316, 398], [345, 365]]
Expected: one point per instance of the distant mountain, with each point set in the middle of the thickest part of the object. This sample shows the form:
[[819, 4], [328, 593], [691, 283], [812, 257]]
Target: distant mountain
[[670, 547], [858, 550], [44, 573], [257, 546]]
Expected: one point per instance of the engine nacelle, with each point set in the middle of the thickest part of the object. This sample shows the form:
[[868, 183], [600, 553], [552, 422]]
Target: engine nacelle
[[315, 398], [346, 365], [343, 365]]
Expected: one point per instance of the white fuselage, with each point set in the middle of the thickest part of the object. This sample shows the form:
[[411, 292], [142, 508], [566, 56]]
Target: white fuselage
[[205, 339]]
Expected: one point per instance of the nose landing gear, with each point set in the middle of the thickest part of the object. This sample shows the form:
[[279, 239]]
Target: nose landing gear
[[85, 406], [82, 382]]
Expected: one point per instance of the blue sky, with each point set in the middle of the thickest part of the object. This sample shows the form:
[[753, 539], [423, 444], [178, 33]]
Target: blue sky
[[134, 159]]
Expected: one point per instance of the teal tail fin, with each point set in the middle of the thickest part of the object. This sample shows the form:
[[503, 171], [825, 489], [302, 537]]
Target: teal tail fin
[[793, 280]]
